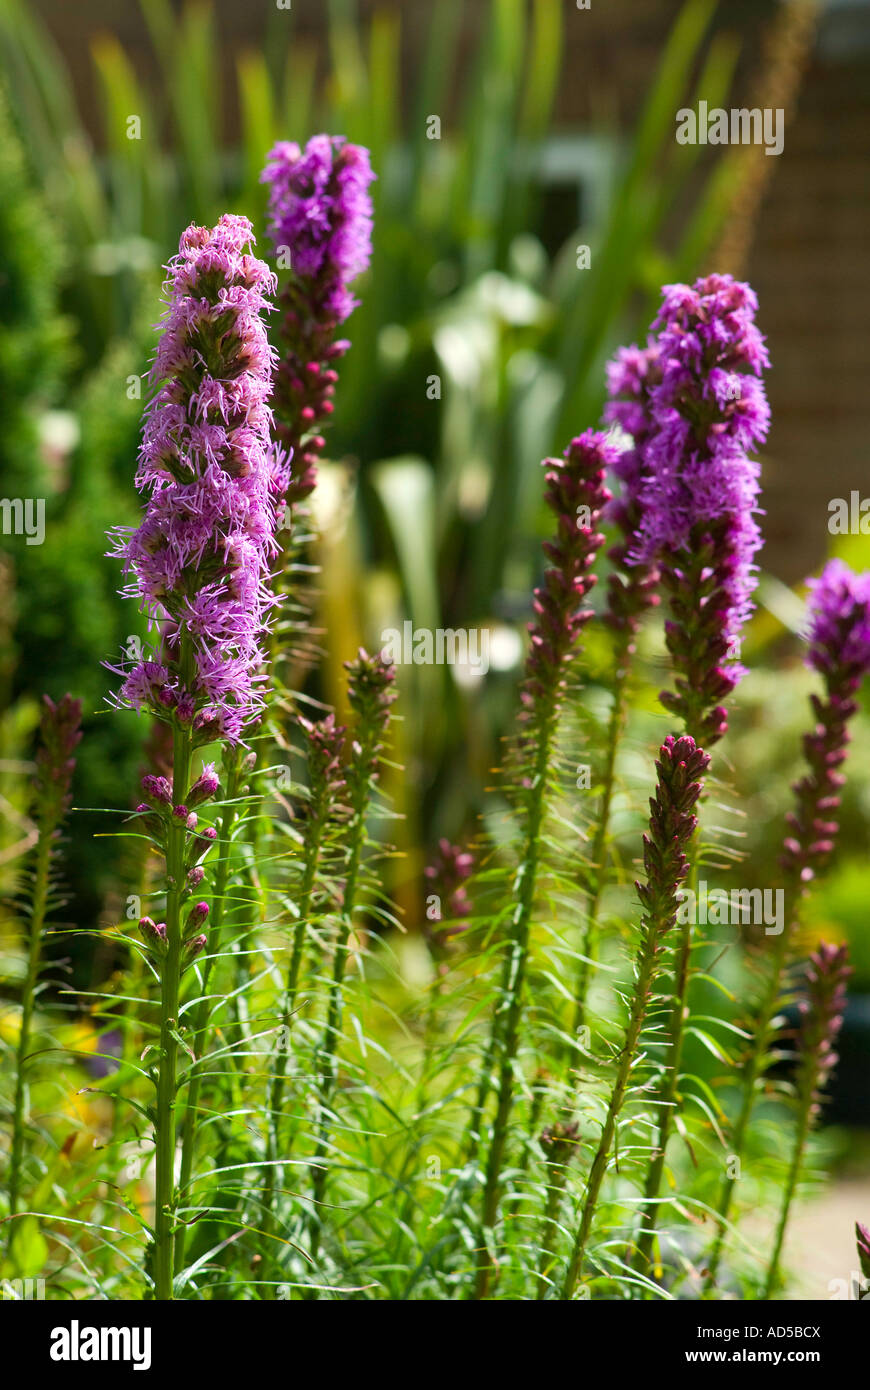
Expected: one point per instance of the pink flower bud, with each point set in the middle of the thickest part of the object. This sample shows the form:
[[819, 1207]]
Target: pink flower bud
[[196, 917], [158, 790], [204, 787]]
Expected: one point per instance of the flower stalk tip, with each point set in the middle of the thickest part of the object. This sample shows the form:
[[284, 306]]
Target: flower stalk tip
[[320, 217]]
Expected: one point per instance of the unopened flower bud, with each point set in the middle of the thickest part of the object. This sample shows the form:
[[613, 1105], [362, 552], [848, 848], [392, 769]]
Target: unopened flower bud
[[204, 787], [196, 917], [153, 933], [158, 790], [193, 947]]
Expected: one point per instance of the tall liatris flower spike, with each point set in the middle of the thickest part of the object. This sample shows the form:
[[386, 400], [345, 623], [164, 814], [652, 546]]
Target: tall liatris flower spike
[[700, 496], [576, 493], [320, 221], [631, 587], [59, 735], [199, 562], [680, 766], [199, 566], [821, 1020], [838, 649], [698, 524]]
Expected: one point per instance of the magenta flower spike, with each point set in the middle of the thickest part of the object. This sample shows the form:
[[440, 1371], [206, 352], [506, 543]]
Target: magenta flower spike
[[700, 497], [320, 223], [199, 561], [199, 565], [838, 640], [631, 587]]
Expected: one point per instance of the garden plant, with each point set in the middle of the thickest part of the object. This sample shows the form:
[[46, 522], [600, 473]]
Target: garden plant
[[369, 994]]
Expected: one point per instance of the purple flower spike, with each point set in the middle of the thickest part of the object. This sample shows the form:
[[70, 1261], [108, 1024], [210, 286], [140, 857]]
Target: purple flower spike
[[839, 625], [320, 211], [631, 377], [700, 496], [838, 639], [320, 219], [199, 562]]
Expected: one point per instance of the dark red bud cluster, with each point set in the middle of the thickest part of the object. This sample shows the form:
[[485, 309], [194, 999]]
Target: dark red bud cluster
[[696, 582], [59, 735], [575, 492], [680, 766]]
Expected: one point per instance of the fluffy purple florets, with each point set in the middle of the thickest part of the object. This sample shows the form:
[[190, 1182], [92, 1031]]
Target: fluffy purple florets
[[321, 211], [199, 561], [839, 622], [709, 410]]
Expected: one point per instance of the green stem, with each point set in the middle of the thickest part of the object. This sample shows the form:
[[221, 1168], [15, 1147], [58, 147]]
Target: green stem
[[328, 1069], [511, 1004], [279, 1077], [669, 1094], [667, 1100], [430, 1033], [646, 970], [203, 1008], [591, 935], [751, 1072], [803, 1130], [165, 1119], [558, 1177], [471, 1145], [539, 1093], [34, 958]]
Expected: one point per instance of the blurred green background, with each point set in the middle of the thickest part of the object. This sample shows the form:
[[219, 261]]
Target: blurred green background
[[507, 137]]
